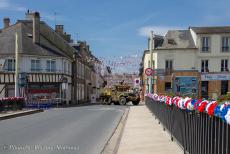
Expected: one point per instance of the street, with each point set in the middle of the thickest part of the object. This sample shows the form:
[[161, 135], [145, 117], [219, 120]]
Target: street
[[77, 130]]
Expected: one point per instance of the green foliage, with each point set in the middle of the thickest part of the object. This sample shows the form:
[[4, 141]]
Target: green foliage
[[223, 98]]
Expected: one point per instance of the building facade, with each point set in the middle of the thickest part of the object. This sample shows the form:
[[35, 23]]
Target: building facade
[[54, 67], [43, 55], [193, 61]]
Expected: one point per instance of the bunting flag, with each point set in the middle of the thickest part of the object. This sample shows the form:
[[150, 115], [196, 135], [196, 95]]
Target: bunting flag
[[212, 108], [118, 63]]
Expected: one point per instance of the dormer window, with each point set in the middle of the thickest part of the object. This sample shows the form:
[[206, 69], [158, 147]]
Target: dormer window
[[171, 41]]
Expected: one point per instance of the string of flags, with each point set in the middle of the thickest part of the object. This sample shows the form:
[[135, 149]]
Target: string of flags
[[118, 63], [212, 108]]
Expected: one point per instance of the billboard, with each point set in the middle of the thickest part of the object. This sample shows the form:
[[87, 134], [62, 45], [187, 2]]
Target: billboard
[[185, 85]]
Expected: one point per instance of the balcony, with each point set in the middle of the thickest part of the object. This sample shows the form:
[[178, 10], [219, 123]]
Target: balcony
[[55, 71], [168, 71], [205, 49], [225, 49]]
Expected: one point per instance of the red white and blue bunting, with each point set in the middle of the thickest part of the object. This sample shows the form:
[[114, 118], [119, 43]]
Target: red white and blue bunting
[[201, 105]]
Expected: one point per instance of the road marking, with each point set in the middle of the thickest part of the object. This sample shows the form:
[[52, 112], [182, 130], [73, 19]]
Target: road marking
[[106, 109]]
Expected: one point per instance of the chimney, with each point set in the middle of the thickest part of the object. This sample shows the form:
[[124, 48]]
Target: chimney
[[36, 27], [59, 29], [6, 22]]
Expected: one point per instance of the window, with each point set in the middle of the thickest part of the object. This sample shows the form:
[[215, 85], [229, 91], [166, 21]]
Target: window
[[65, 67], [225, 44], [224, 65], [51, 65], [153, 63], [205, 44], [224, 87], [204, 89], [68, 69], [35, 65], [168, 65], [10, 65], [204, 66], [168, 87]]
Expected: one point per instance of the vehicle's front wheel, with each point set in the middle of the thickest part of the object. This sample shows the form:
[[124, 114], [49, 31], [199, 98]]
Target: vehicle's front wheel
[[109, 102], [136, 102], [122, 101]]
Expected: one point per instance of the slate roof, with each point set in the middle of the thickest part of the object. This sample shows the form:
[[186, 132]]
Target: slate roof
[[211, 30], [51, 44], [178, 39]]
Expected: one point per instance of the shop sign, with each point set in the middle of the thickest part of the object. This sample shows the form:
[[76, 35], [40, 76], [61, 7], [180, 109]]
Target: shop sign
[[210, 77]]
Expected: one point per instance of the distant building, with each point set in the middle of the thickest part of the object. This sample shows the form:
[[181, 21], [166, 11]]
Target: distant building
[[91, 79], [129, 79], [193, 61]]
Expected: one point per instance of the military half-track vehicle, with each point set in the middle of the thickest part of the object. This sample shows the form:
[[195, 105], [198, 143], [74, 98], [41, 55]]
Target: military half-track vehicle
[[119, 95]]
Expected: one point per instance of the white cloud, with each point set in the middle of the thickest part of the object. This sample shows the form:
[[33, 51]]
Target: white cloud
[[7, 5], [4, 4], [158, 30]]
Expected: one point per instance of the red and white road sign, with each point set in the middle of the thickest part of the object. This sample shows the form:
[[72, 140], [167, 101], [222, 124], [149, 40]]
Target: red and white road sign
[[149, 71]]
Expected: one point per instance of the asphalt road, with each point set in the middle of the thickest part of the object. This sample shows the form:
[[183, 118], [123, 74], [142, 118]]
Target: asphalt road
[[77, 130]]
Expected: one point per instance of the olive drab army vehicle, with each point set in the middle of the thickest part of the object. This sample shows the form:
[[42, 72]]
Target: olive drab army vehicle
[[119, 95]]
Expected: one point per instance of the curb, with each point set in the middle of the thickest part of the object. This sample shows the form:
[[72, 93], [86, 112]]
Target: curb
[[112, 145], [20, 114]]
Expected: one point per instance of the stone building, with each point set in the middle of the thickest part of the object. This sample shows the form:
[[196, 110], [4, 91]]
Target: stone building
[[192, 61], [44, 56]]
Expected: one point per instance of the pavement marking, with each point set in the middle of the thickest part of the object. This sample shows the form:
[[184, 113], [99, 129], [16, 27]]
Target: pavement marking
[[106, 109]]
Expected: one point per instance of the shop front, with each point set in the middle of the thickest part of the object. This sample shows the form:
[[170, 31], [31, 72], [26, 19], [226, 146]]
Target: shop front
[[43, 91], [215, 84]]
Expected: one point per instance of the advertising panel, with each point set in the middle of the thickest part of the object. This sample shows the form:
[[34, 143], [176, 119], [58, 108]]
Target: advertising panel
[[185, 85]]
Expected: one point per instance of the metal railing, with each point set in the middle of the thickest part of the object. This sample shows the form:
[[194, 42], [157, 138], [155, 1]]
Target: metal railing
[[196, 133]]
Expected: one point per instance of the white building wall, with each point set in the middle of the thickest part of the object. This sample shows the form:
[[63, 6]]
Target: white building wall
[[25, 64], [182, 59], [215, 55]]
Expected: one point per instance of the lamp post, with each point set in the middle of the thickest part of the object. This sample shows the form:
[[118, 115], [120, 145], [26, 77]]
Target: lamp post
[[16, 66], [151, 61]]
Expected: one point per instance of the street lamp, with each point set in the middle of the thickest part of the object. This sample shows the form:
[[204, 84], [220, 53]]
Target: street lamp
[[151, 61]]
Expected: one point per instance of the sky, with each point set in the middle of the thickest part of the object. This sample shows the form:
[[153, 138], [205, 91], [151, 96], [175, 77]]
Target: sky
[[117, 30]]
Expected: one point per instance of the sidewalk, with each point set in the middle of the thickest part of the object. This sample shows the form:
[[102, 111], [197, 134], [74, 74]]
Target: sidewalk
[[14, 114], [143, 135]]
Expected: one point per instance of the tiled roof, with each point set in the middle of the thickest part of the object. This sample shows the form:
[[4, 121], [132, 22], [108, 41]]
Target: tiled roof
[[211, 30], [51, 44], [178, 39]]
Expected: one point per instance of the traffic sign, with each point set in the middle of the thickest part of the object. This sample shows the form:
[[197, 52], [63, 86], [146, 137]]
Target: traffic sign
[[149, 71]]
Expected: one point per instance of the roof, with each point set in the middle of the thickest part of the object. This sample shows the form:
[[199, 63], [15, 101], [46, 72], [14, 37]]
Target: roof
[[178, 39], [209, 30], [51, 44]]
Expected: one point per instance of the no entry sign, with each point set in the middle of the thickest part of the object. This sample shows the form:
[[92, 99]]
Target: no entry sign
[[149, 71]]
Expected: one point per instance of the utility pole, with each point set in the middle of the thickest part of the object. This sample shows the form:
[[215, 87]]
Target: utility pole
[[16, 66], [151, 62]]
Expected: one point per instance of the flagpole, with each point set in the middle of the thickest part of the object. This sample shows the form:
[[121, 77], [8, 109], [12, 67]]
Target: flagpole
[[16, 66]]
